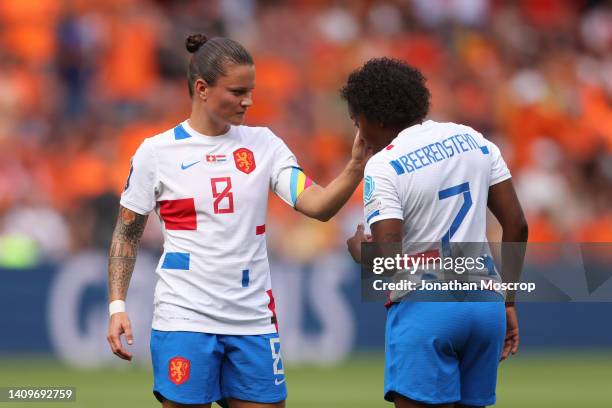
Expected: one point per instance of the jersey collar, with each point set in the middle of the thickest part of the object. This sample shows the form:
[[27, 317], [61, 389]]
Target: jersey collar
[[202, 137]]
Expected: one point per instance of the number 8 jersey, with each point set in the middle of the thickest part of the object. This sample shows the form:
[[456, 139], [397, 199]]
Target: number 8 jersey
[[211, 195]]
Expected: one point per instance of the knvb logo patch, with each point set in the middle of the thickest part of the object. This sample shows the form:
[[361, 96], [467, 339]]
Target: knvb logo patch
[[178, 370], [368, 188], [245, 160]]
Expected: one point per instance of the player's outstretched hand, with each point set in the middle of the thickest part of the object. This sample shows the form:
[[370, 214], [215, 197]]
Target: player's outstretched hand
[[511, 342], [354, 242], [361, 152], [118, 325]]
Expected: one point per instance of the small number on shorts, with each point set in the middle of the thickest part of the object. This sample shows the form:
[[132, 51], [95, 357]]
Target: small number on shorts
[[276, 356]]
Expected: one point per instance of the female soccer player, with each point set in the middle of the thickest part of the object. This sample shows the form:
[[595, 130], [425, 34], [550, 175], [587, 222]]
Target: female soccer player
[[428, 187], [214, 327]]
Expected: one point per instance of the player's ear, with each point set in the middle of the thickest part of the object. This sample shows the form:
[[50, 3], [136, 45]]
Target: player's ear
[[201, 89]]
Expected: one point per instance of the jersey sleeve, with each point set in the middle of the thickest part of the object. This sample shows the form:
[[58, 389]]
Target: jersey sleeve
[[380, 194], [291, 183], [287, 179], [499, 169], [139, 194]]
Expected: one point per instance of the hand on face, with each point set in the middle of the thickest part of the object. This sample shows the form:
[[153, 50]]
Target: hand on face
[[361, 152]]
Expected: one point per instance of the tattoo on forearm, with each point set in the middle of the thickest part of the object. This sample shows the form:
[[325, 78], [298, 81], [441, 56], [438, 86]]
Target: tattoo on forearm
[[122, 250], [119, 275], [122, 254]]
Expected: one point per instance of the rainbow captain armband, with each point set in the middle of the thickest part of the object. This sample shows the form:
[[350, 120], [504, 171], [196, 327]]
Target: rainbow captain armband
[[291, 183]]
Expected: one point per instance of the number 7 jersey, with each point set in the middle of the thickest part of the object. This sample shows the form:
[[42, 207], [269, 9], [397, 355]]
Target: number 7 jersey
[[211, 195], [435, 177]]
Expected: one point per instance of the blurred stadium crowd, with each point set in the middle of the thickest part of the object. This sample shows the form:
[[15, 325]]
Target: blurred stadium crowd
[[83, 82]]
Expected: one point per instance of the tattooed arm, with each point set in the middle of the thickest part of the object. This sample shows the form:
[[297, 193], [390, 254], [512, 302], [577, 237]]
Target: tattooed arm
[[122, 256], [121, 261]]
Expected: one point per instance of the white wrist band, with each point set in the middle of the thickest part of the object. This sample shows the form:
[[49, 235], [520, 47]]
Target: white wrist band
[[116, 306]]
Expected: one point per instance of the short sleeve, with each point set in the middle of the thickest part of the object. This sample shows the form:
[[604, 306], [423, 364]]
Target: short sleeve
[[380, 194], [291, 183], [283, 163], [139, 194], [499, 169]]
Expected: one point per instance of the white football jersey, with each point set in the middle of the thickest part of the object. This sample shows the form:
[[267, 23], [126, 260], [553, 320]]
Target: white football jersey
[[211, 195], [435, 177]]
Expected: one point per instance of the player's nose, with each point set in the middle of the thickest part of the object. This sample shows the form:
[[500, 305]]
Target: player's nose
[[246, 102]]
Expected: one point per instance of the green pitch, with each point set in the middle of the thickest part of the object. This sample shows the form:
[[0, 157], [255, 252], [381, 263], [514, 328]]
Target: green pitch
[[558, 380]]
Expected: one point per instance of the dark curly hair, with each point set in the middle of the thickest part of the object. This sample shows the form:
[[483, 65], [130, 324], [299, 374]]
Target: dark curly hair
[[387, 91]]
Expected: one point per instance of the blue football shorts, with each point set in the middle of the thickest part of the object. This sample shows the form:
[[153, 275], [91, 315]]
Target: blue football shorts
[[199, 368], [446, 351]]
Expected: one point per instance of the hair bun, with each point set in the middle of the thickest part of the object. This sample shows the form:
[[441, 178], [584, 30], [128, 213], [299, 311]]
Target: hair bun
[[194, 42]]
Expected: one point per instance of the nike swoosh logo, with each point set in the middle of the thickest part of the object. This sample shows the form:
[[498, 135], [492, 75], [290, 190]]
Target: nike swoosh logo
[[183, 167], [277, 382]]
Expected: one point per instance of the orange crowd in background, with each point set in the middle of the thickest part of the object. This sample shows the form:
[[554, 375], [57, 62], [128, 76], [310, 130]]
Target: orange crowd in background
[[83, 82]]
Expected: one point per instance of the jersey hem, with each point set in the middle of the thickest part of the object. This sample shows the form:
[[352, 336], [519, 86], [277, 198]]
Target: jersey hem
[[215, 330], [500, 179], [133, 207], [384, 217]]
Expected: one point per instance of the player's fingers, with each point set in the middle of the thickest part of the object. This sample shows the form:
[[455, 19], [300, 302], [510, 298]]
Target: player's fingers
[[110, 343], [504, 354], [360, 227], [129, 336], [118, 349], [506, 349], [369, 151], [359, 142], [124, 355], [114, 339], [113, 336], [115, 342], [515, 344], [122, 352]]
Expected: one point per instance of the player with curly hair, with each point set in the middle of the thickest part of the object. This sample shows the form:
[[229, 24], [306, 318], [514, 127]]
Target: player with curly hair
[[427, 188]]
